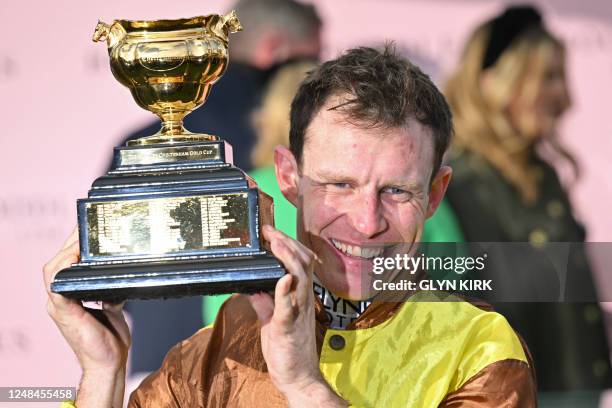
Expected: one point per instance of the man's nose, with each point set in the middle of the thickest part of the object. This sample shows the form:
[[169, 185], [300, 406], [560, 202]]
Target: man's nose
[[367, 216]]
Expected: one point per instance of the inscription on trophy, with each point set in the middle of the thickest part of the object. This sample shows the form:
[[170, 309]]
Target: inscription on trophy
[[159, 155], [168, 225]]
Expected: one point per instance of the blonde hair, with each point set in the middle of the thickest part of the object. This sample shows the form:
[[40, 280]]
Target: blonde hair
[[271, 120], [480, 115]]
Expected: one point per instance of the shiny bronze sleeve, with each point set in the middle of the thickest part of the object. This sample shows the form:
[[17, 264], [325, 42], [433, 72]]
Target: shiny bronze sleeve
[[173, 384], [503, 384]]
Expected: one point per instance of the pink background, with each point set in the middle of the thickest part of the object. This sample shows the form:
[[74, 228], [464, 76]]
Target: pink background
[[62, 112]]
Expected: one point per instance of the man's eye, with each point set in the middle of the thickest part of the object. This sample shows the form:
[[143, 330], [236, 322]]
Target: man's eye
[[397, 193], [394, 190], [340, 185]]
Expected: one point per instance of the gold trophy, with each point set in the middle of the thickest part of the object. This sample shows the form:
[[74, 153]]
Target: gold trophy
[[173, 217]]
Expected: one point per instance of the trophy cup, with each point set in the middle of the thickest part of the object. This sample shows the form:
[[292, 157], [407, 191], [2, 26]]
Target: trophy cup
[[173, 217]]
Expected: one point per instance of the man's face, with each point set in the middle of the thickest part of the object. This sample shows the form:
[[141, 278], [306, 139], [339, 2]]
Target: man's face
[[359, 193]]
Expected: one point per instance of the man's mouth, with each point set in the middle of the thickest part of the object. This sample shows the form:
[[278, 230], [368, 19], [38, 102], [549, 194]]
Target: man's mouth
[[358, 251]]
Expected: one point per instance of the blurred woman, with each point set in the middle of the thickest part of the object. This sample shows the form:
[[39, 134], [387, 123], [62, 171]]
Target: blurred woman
[[271, 124], [508, 93]]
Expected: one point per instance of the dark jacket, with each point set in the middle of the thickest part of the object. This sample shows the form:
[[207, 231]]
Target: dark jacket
[[566, 337]]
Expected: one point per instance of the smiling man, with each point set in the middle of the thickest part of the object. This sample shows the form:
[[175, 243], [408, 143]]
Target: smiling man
[[368, 132], [362, 187]]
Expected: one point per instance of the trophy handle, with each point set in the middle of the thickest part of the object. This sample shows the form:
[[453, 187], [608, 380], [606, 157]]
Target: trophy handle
[[101, 31], [231, 21], [111, 33]]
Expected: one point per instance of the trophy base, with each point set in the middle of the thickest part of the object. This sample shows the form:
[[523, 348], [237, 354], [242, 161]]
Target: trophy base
[[157, 279]]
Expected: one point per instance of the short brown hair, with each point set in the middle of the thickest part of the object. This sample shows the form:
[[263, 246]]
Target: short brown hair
[[384, 89]]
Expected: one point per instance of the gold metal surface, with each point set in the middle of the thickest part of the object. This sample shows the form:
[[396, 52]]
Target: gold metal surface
[[168, 225], [169, 66]]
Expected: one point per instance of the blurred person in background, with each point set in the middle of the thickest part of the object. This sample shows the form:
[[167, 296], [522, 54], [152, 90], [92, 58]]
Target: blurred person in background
[[271, 123], [507, 95], [275, 33]]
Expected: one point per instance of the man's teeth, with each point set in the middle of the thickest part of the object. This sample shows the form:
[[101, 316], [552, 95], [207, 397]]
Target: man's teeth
[[355, 250]]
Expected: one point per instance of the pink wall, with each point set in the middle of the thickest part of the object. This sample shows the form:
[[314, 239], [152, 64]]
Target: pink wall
[[62, 112]]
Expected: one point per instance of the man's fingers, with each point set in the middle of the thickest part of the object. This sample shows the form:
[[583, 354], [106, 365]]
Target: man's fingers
[[283, 306], [300, 264], [295, 288], [302, 277], [304, 254], [59, 305], [68, 255], [114, 313], [72, 238], [263, 305], [63, 259], [285, 252], [113, 307]]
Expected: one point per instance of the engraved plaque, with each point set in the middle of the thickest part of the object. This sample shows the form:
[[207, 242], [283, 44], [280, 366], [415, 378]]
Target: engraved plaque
[[161, 155], [168, 225]]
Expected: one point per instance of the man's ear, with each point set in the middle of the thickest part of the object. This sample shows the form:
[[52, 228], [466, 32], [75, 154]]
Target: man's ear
[[438, 189], [287, 174]]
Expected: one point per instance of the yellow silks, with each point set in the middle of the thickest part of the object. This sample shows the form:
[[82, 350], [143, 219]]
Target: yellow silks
[[425, 351]]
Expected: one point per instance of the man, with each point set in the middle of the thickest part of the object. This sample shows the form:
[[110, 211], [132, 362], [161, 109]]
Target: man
[[368, 132], [275, 31]]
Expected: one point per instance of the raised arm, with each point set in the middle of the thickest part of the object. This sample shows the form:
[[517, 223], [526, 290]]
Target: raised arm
[[100, 339], [288, 328]]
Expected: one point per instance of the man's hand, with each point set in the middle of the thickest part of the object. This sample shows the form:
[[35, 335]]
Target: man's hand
[[100, 339], [288, 327]]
